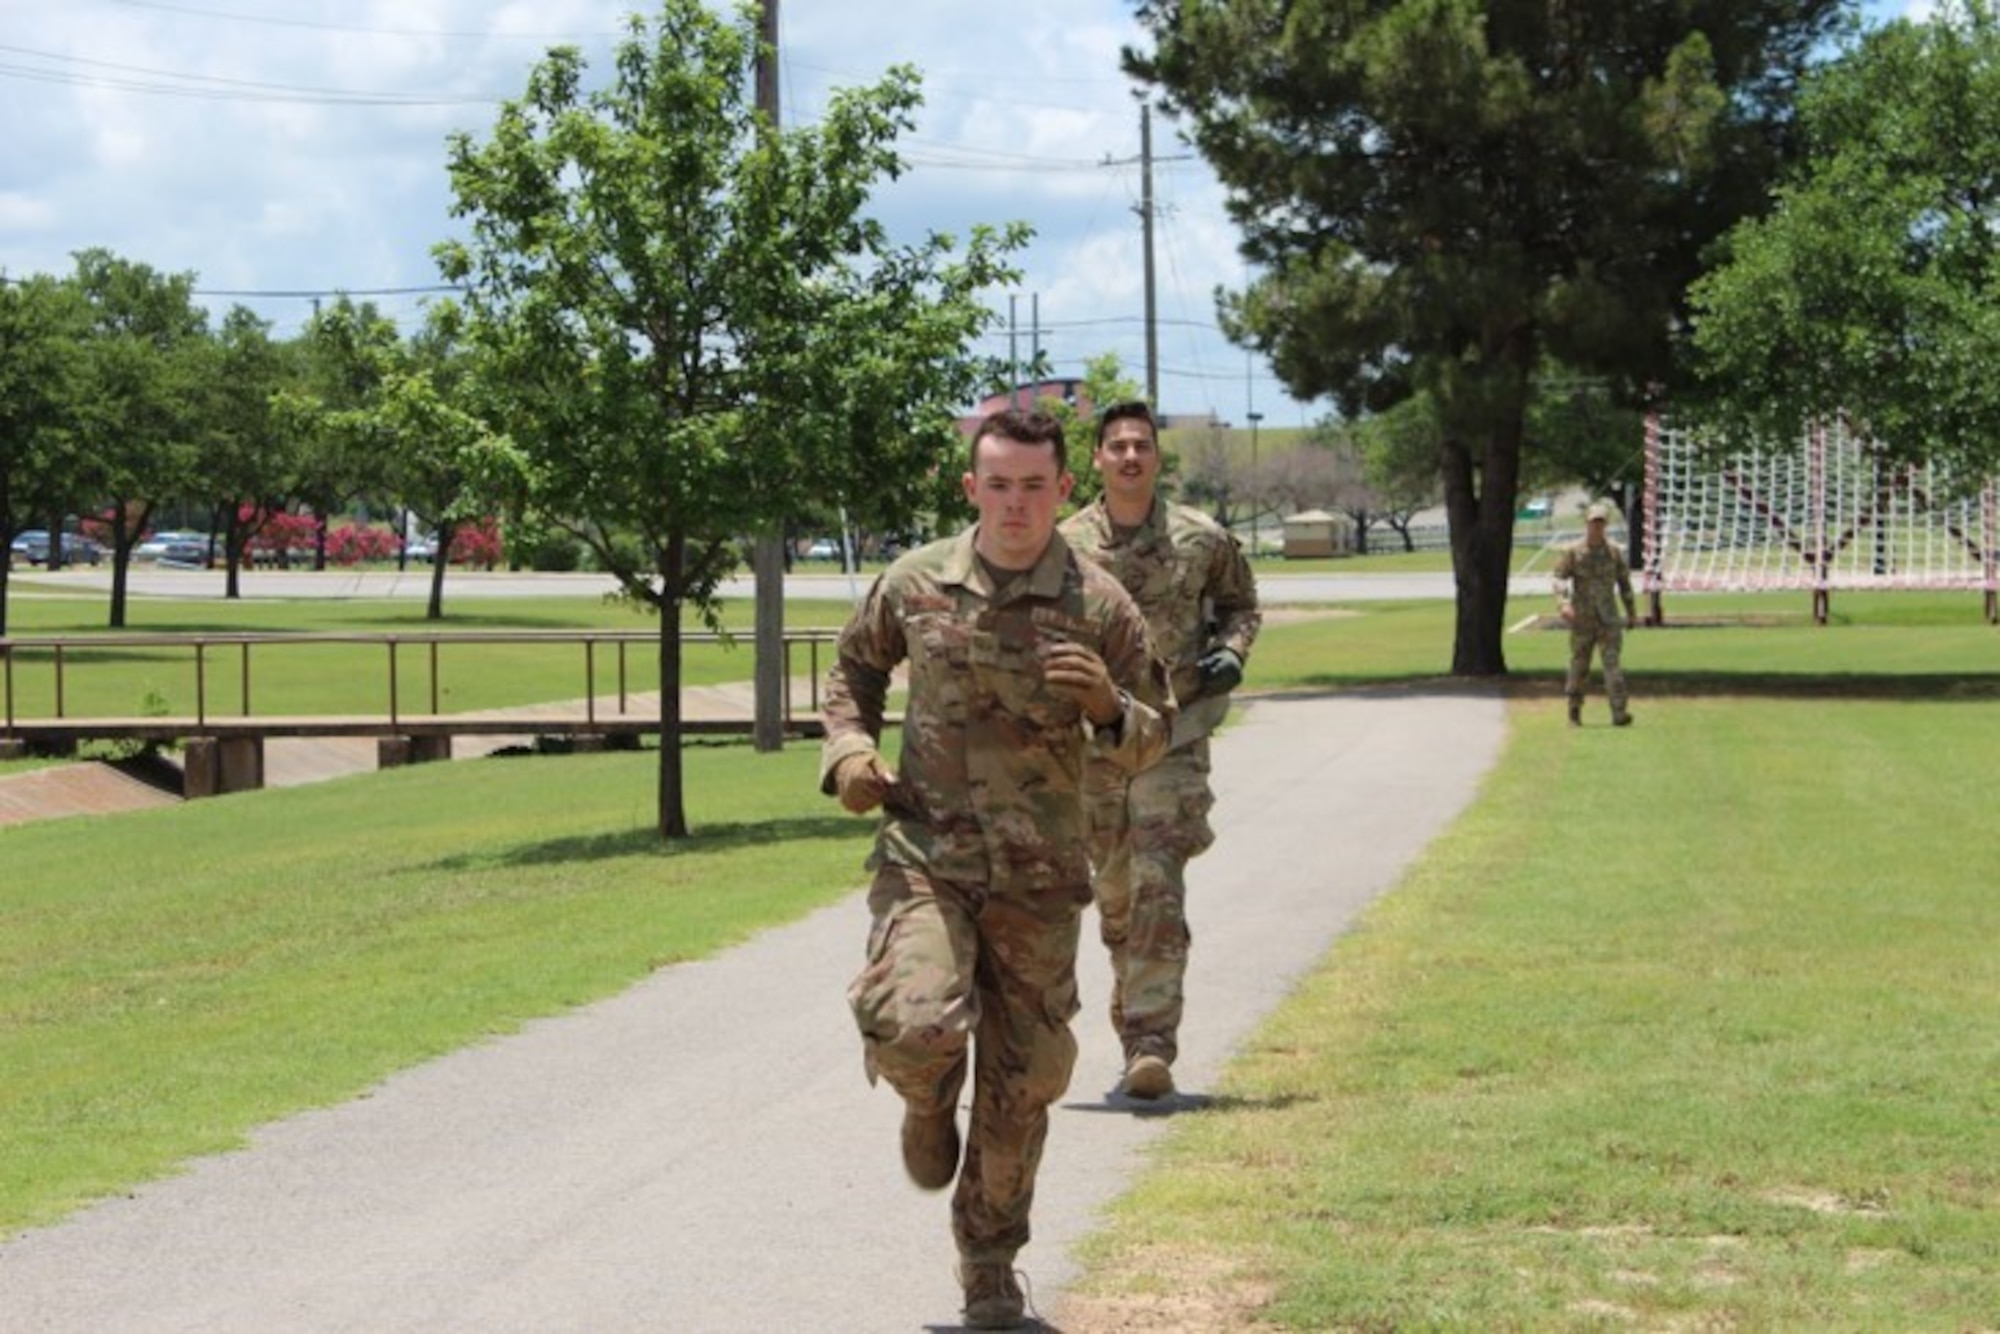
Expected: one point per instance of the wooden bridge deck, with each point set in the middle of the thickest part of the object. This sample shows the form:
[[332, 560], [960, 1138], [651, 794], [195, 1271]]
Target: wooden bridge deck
[[69, 731]]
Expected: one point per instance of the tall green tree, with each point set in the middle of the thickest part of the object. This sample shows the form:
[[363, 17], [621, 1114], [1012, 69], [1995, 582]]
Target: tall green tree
[[346, 356], [41, 330], [145, 354], [695, 329], [1437, 195], [1874, 287], [246, 456], [445, 463], [1104, 383]]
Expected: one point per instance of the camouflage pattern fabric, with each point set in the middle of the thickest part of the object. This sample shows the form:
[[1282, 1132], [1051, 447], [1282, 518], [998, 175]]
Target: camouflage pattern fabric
[[989, 786], [948, 962], [1189, 578], [1147, 832], [981, 865], [1608, 640], [1594, 581], [1198, 593]]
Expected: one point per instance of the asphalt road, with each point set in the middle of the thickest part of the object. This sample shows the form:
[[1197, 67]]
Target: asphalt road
[[702, 1151], [1275, 585]]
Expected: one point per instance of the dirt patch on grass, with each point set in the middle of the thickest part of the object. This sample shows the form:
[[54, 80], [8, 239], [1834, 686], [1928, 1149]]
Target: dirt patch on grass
[[1205, 1295], [1293, 615]]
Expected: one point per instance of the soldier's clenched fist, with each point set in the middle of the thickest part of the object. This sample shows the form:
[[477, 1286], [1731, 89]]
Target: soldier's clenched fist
[[861, 781], [1073, 670]]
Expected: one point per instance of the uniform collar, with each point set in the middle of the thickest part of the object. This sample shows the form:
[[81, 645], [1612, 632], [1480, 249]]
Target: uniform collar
[[1107, 527], [963, 569]]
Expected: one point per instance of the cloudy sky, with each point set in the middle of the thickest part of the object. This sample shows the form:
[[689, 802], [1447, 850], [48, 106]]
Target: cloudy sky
[[281, 150]]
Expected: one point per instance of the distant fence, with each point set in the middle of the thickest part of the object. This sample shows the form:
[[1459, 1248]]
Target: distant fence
[[222, 661]]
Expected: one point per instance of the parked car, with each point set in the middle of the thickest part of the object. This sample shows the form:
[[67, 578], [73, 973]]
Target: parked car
[[33, 547], [155, 547], [423, 549], [186, 551], [823, 548]]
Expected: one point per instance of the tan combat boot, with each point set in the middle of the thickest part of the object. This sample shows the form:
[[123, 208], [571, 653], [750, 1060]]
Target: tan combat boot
[[1575, 711], [992, 1297], [930, 1146], [1148, 1076]]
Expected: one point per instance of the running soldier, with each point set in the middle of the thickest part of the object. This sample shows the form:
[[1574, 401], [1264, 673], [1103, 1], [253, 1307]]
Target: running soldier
[[1200, 602], [1023, 660]]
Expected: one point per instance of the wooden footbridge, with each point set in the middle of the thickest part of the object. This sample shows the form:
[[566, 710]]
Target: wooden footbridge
[[223, 739]]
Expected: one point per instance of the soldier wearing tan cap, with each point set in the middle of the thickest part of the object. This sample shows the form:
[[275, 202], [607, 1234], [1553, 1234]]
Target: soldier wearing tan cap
[[1591, 579]]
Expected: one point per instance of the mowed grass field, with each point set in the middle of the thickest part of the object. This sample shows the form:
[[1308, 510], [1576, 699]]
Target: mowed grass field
[[1691, 1026]]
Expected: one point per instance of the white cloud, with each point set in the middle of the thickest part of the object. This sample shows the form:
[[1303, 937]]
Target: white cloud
[[229, 141]]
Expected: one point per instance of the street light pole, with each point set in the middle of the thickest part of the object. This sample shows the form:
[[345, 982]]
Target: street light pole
[[1256, 501]]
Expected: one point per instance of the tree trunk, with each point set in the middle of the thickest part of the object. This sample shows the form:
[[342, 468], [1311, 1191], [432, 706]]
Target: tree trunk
[[125, 529], [235, 544], [673, 806], [1479, 497], [7, 535], [440, 562]]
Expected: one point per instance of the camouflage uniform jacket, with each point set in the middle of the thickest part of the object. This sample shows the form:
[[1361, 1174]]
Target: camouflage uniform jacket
[[988, 787], [1594, 580], [1189, 578]]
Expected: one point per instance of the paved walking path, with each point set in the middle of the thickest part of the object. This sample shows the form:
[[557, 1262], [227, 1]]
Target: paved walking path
[[702, 1152]]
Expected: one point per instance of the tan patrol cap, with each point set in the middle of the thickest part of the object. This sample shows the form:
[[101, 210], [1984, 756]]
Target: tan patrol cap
[[1598, 513]]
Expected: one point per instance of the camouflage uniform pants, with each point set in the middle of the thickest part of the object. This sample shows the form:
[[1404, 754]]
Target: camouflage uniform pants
[[951, 967], [1609, 639], [1142, 838]]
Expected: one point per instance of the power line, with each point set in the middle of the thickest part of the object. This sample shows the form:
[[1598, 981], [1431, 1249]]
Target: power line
[[317, 293], [137, 78], [273, 21]]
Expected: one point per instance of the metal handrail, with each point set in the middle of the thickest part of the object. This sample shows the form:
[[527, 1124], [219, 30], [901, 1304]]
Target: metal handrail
[[433, 640]]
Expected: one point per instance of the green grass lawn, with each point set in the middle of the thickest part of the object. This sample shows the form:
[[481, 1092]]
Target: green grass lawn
[[1691, 1026], [1695, 1026]]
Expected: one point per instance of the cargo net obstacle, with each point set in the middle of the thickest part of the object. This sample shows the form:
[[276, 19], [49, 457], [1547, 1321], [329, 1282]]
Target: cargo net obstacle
[[1829, 514]]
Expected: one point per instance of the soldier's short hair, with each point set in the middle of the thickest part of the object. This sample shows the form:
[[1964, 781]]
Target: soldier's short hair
[[1132, 409], [1027, 426]]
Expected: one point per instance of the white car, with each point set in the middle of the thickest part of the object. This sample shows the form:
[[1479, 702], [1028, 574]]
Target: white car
[[160, 544]]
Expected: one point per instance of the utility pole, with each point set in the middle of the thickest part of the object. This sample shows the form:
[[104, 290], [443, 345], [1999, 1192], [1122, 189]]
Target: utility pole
[[767, 557], [1146, 233], [1148, 213], [1256, 487]]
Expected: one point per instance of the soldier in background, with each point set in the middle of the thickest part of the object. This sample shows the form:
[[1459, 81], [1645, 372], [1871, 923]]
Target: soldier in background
[[1200, 602], [1591, 579], [1022, 660]]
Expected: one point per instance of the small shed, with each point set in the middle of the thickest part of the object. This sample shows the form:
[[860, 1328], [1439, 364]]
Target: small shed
[[1316, 533]]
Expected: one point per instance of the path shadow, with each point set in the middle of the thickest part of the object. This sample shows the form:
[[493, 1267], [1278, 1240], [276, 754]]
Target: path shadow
[[647, 842], [1179, 1103], [1924, 687]]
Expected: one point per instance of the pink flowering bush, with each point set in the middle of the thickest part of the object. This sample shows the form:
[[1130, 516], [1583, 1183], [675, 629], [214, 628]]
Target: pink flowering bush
[[356, 544], [477, 544]]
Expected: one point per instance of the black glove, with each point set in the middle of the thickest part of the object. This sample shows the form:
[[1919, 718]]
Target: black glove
[[1221, 671]]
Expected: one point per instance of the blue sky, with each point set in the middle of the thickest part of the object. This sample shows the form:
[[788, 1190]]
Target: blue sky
[[282, 149]]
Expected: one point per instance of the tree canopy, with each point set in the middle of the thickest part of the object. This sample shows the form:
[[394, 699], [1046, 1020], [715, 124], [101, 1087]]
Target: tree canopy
[[1438, 195], [693, 331], [1873, 288], [41, 328]]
